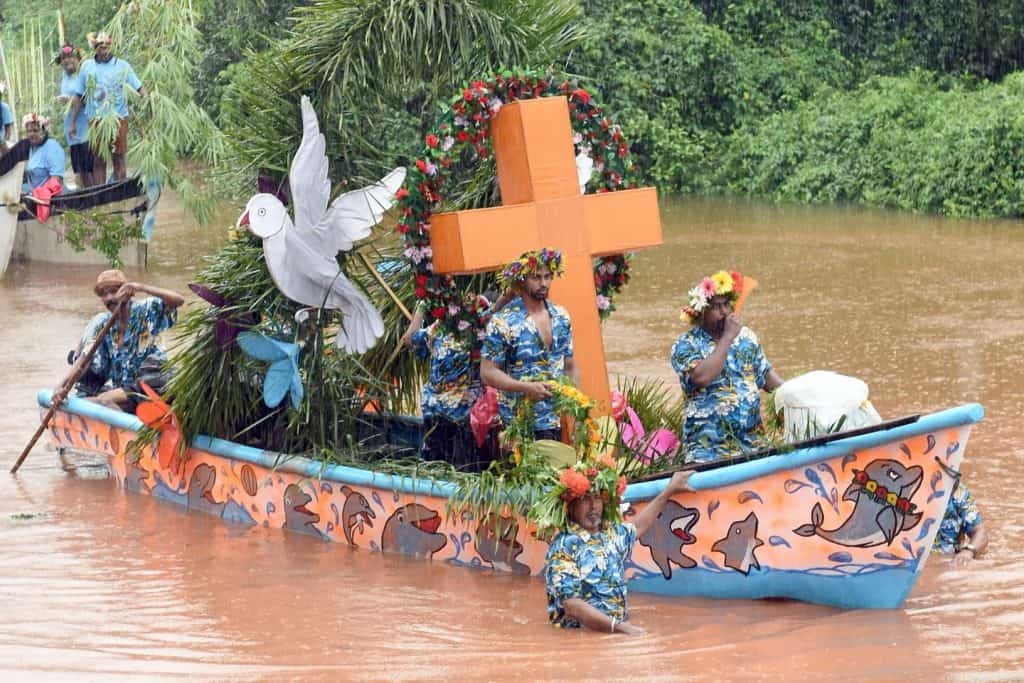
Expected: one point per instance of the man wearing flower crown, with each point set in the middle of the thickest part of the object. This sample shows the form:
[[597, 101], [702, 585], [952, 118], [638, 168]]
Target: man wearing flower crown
[[531, 338], [585, 567], [722, 370]]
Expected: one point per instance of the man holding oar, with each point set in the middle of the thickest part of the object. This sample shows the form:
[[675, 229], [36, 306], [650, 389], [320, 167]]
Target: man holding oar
[[722, 370], [130, 350]]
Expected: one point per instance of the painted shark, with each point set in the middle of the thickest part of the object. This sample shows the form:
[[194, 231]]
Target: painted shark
[[739, 545], [874, 520]]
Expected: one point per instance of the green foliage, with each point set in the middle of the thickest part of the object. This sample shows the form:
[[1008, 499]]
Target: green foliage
[[376, 72], [105, 232], [658, 407], [918, 143]]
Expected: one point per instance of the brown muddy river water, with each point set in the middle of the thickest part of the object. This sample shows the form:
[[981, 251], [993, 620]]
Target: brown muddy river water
[[96, 583]]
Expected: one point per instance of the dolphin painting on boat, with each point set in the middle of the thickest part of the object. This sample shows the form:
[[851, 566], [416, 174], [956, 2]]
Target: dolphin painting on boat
[[739, 545], [882, 494], [669, 534]]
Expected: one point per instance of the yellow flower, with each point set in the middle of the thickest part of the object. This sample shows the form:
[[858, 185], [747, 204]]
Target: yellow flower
[[723, 282], [517, 456]]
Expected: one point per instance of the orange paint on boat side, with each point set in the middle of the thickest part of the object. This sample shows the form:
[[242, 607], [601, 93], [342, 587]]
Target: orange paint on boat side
[[737, 528]]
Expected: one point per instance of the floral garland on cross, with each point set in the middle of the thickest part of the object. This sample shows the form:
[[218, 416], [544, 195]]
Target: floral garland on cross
[[463, 129]]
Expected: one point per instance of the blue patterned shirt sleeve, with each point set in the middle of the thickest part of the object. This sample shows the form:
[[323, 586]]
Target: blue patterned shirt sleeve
[[453, 382], [962, 517], [590, 567], [421, 344], [147, 320]]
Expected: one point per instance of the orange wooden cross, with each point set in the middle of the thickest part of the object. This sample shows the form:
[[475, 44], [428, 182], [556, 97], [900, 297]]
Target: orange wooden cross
[[543, 207]]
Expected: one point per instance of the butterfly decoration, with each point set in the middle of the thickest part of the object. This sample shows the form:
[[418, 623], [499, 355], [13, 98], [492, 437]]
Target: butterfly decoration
[[283, 374], [227, 326], [647, 447], [156, 414]]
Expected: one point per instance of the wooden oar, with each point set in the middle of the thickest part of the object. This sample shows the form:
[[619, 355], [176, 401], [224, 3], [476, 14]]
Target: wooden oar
[[55, 405]]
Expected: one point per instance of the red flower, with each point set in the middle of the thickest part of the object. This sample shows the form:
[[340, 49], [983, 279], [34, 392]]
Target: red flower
[[737, 285], [438, 312], [621, 488], [421, 165], [432, 141], [581, 95], [903, 505], [462, 136], [591, 473], [575, 483], [881, 492], [475, 354], [401, 194], [467, 94], [862, 477], [421, 280], [421, 292]]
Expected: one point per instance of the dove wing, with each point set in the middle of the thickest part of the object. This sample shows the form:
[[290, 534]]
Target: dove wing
[[362, 324], [584, 167], [308, 175], [353, 214]]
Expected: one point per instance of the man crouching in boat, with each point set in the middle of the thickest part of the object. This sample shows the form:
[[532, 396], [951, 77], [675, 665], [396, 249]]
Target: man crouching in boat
[[722, 370], [585, 566], [130, 352], [531, 338]]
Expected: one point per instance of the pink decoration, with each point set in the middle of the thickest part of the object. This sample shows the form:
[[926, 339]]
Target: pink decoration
[[651, 448], [618, 404], [483, 414], [43, 193]]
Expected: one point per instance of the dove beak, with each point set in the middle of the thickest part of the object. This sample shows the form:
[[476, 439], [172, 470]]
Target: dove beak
[[243, 220]]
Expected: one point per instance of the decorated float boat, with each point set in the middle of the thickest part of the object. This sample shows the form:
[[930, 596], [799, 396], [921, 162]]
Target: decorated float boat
[[847, 520]]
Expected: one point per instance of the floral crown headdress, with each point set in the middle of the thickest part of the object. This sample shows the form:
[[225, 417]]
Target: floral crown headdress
[[528, 263], [33, 117], [67, 50], [99, 38], [722, 283], [598, 476]]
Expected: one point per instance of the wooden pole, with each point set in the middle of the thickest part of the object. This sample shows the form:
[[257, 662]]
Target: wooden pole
[[55, 405], [60, 23], [391, 293]]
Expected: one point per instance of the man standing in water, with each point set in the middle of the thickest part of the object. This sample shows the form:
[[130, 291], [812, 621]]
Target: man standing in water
[[722, 370], [532, 339], [585, 566], [961, 533], [101, 90], [130, 351]]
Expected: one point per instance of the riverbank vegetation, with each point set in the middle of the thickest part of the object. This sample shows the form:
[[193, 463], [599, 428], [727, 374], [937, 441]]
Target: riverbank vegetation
[[899, 104]]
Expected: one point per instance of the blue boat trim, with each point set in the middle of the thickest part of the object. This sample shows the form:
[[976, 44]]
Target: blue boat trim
[[969, 413]]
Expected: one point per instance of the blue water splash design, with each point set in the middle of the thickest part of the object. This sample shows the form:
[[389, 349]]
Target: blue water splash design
[[906, 546], [778, 541], [925, 528], [709, 563], [847, 459], [813, 477], [466, 517], [325, 487], [466, 539], [841, 557], [378, 501], [334, 509], [374, 547], [330, 527], [712, 506], [395, 496], [887, 556], [934, 482], [746, 496], [906, 450], [455, 542], [931, 444], [825, 467], [951, 449], [271, 508]]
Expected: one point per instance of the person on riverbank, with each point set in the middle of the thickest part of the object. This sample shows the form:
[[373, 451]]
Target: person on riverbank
[[722, 370], [130, 351], [44, 171], [962, 532], [529, 341], [100, 88], [6, 120], [452, 387], [69, 58], [585, 567]]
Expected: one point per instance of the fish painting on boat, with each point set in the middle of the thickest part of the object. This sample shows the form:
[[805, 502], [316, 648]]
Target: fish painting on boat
[[743, 534]]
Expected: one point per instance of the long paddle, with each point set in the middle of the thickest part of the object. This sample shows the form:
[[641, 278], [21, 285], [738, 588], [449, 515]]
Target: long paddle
[[55, 405]]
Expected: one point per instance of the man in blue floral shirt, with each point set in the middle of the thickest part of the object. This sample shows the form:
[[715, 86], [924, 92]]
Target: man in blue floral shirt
[[529, 341], [585, 570], [452, 387], [961, 533], [722, 370], [130, 351]]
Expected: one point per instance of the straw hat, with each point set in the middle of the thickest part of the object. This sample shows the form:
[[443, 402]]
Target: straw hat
[[109, 278]]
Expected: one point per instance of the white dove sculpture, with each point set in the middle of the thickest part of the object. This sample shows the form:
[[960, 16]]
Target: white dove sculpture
[[301, 255]]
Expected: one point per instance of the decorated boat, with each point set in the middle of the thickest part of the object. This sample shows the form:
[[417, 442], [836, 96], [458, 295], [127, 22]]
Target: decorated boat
[[848, 522]]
